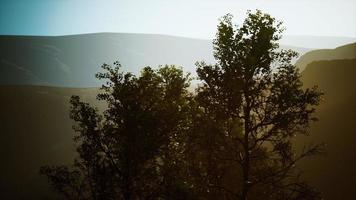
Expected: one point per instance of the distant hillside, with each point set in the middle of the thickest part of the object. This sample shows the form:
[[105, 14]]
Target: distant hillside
[[72, 61], [342, 52], [334, 174], [35, 130], [316, 42]]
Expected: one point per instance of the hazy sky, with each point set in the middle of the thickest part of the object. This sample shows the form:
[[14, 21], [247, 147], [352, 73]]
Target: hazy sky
[[191, 18]]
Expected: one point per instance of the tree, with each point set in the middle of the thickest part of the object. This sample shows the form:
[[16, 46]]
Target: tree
[[250, 105], [231, 139], [132, 150]]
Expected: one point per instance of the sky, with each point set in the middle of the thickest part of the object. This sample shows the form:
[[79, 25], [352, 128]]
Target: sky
[[188, 18]]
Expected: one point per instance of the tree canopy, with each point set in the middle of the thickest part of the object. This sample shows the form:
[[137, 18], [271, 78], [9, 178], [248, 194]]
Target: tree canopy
[[230, 139], [251, 105]]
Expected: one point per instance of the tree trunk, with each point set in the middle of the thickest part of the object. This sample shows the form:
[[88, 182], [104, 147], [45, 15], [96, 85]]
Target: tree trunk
[[246, 160]]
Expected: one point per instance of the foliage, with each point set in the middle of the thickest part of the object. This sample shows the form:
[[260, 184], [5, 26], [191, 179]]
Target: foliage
[[251, 105], [231, 139], [128, 152]]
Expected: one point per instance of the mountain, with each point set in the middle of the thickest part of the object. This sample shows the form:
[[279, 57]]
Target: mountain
[[343, 52], [316, 42], [72, 61], [35, 130], [334, 173]]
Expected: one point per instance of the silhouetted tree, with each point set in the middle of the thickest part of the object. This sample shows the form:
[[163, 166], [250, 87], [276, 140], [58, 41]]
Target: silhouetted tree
[[231, 139], [133, 150], [249, 107]]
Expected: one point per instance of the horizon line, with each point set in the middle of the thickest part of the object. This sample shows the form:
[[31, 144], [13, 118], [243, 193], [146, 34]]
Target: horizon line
[[160, 34]]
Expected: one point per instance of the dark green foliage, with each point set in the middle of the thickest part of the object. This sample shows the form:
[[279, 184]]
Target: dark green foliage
[[67, 182], [250, 106], [231, 139], [133, 150]]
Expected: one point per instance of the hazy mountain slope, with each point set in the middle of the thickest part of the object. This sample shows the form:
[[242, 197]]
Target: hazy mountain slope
[[343, 52], [334, 174], [316, 42], [35, 130], [72, 61]]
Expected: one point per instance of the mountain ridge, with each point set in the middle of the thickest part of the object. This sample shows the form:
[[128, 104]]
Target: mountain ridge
[[72, 60], [347, 51]]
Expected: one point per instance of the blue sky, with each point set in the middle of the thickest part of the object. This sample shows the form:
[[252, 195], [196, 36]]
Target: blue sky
[[190, 18]]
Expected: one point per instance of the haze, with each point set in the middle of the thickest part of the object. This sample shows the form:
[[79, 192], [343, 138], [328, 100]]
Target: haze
[[196, 19]]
